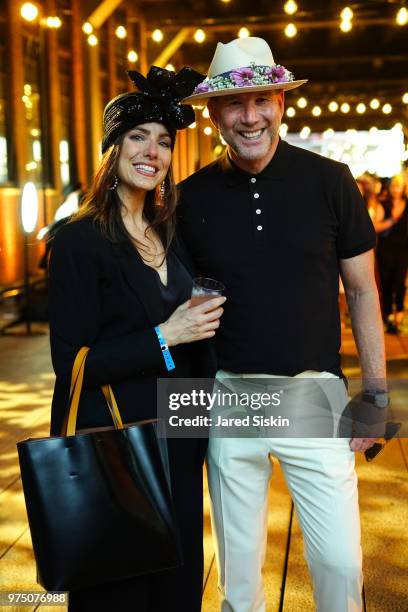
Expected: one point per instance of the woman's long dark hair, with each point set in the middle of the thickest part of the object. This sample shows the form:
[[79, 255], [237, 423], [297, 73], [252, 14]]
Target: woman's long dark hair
[[104, 205]]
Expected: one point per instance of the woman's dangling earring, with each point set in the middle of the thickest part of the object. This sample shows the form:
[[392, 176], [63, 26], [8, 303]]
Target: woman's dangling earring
[[114, 184], [162, 191]]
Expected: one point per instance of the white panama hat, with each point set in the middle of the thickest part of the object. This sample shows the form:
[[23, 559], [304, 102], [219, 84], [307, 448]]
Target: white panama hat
[[240, 66]]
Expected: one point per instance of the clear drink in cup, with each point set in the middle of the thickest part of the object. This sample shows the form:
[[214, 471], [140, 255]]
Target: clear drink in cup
[[205, 289]]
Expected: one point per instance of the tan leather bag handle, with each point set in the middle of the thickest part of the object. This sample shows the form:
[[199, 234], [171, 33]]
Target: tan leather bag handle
[[77, 379]]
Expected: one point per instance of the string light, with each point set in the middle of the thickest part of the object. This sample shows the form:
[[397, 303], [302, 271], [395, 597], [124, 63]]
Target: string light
[[346, 14], [170, 67], [373, 130], [386, 109], [92, 40], [291, 112], [53, 22], [345, 26], [208, 130], [302, 102], [225, 1], [402, 16], [193, 125], [290, 7], [361, 108], [87, 28], [291, 30], [328, 133], [29, 11], [206, 113], [283, 130], [405, 98], [333, 106], [199, 36], [374, 104], [304, 132], [316, 111], [244, 33], [121, 32], [157, 35], [345, 108], [132, 56], [346, 17]]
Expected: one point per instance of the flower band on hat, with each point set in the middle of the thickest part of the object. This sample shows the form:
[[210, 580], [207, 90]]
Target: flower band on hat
[[158, 99], [246, 77]]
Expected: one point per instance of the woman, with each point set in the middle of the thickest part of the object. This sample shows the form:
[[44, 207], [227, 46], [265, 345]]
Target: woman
[[392, 251], [118, 276]]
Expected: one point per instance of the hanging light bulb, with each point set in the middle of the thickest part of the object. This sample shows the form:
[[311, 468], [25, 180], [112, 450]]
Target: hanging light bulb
[[157, 35], [328, 133], [132, 56], [29, 11], [87, 28], [290, 7], [283, 130], [405, 98], [316, 111], [199, 36], [244, 33], [374, 104], [333, 106], [402, 16], [302, 102], [291, 112], [345, 107], [193, 125], [345, 26], [291, 30], [386, 109], [304, 132], [121, 32], [208, 130], [346, 14], [170, 67], [361, 108], [205, 113], [92, 40]]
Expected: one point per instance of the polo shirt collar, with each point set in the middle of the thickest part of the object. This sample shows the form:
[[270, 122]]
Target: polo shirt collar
[[276, 168]]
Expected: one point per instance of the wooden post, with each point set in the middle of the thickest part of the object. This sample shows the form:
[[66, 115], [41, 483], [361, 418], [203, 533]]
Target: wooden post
[[17, 150], [78, 138], [110, 43], [51, 98]]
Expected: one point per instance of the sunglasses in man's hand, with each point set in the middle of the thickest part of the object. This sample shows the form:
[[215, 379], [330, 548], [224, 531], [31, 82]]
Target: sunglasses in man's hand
[[390, 431]]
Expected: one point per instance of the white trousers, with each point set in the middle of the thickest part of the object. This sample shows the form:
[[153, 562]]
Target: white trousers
[[322, 482]]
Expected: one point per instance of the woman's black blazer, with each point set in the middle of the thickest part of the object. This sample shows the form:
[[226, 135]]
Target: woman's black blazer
[[103, 296]]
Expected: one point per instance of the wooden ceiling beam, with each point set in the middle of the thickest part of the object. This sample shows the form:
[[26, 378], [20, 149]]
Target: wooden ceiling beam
[[170, 49], [262, 23], [102, 12]]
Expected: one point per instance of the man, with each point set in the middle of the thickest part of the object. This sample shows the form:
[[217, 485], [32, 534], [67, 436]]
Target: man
[[277, 224]]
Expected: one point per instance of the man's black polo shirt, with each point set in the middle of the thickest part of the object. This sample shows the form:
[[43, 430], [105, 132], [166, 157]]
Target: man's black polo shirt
[[274, 239]]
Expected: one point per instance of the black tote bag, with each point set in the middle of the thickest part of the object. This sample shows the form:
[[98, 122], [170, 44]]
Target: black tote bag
[[98, 503]]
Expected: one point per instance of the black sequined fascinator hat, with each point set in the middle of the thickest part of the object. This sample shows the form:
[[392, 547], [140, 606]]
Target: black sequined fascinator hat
[[158, 99]]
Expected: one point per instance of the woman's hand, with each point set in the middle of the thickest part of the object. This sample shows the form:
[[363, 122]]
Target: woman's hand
[[191, 324]]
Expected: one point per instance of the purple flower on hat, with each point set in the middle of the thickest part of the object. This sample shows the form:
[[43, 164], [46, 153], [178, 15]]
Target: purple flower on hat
[[242, 77], [202, 88], [277, 74]]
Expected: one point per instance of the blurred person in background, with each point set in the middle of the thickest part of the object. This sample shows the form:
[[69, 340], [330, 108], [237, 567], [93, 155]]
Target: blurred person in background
[[368, 186], [391, 223]]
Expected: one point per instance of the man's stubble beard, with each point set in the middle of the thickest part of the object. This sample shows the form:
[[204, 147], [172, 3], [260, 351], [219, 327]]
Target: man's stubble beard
[[245, 153]]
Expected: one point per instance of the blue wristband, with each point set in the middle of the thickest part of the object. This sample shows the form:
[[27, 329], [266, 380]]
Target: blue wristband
[[168, 360]]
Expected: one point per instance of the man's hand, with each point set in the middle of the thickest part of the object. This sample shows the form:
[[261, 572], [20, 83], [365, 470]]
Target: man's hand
[[360, 445]]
